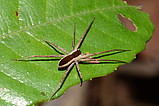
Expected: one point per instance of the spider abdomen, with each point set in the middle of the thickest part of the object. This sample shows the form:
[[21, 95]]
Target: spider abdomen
[[65, 61]]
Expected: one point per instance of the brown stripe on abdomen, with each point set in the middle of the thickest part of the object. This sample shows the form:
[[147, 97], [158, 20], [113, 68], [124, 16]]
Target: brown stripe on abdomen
[[69, 57]]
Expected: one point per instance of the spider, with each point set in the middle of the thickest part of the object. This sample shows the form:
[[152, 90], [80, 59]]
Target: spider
[[73, 58]]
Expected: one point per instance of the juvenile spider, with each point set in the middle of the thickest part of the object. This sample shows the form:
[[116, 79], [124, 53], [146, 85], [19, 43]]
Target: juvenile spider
[[73, 58]]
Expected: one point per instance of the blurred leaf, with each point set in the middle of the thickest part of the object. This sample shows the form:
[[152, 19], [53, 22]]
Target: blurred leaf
[[24, 23]]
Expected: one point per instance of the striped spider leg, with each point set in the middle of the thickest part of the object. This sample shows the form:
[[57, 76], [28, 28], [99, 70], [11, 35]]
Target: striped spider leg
[[73, 58]]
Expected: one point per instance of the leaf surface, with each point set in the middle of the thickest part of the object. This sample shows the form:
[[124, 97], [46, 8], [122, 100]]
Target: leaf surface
[[24, 23]]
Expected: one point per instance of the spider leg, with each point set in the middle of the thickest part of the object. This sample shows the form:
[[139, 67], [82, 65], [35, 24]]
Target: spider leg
[[79, 73], [92, 54], [39, 56], [93, 60], [56, 46], [59, 86], [79, 42], [73, 42]]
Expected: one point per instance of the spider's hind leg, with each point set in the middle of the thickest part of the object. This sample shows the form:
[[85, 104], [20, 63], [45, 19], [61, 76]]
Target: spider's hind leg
[[59, 86], [79, 73], [39, 56]]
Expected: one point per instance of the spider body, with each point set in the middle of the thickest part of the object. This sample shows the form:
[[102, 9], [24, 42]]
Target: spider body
[[74, 58], [68, 59]]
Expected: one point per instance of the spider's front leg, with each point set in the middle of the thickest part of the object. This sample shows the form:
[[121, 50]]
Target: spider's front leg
[[93, 62], [87, 57], [97, 60], [85, 33]]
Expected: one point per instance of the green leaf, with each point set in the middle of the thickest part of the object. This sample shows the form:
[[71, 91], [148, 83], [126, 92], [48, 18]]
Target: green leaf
[[24, 23]]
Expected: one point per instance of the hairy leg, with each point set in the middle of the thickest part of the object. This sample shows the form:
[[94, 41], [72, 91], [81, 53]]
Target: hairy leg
[[79, 42], [79, 73], [39, 56], [56, 46], [59, 86]]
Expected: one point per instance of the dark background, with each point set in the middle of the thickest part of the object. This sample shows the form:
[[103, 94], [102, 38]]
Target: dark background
[[132, 84]]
